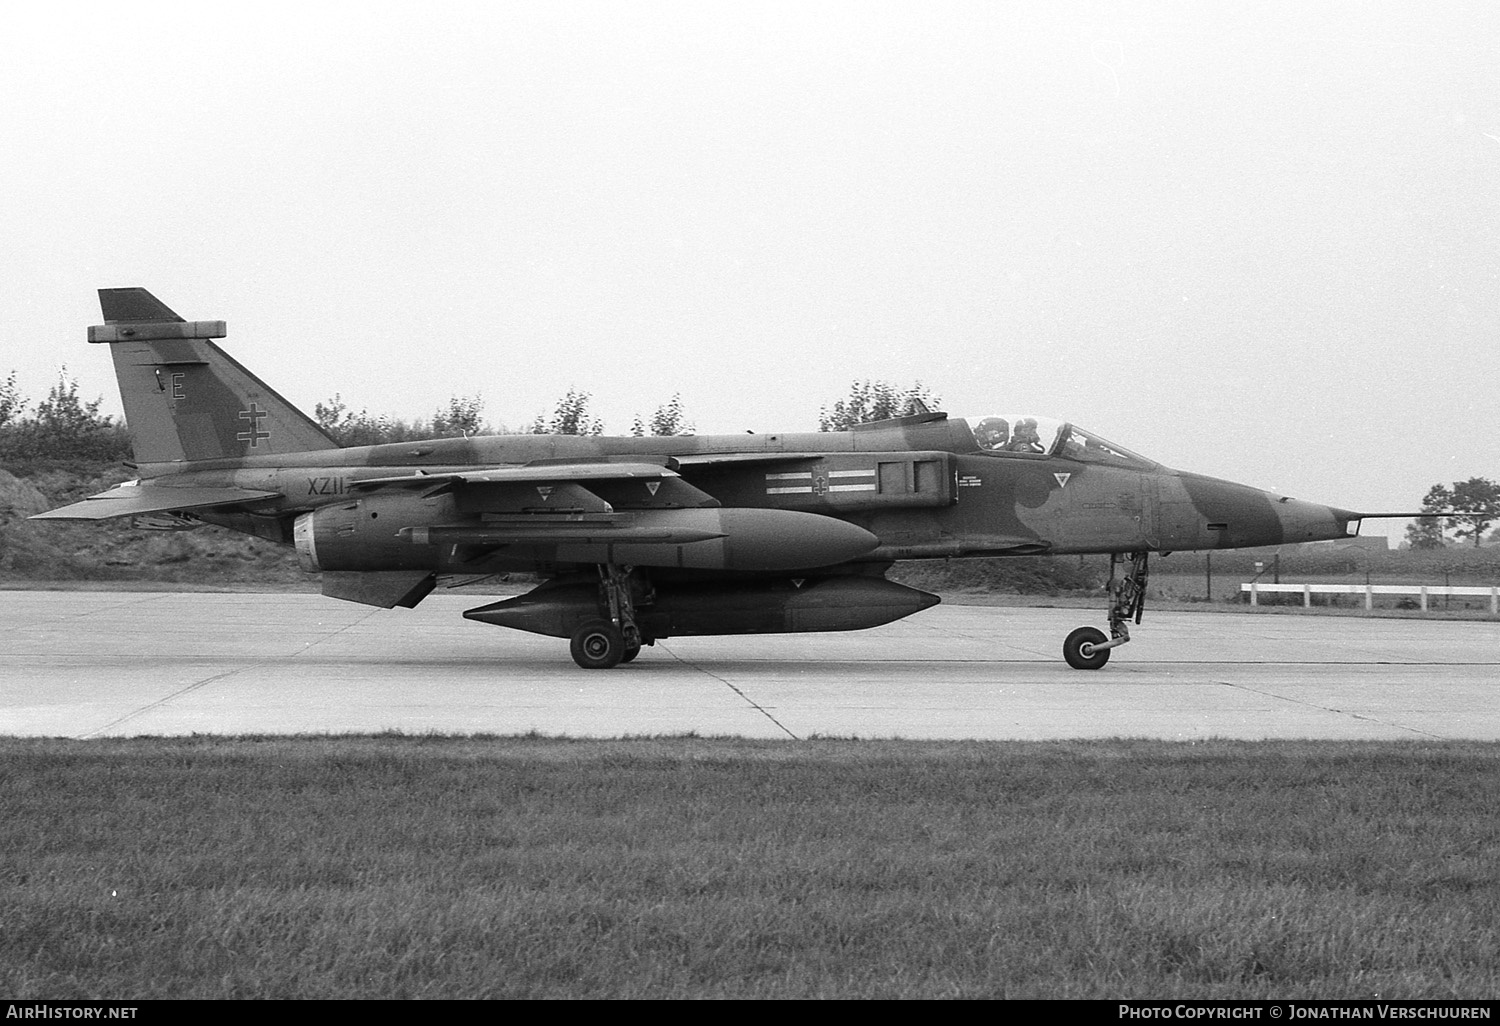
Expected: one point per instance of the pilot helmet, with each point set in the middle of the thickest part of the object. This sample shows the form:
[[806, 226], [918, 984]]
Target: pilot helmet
[[992, 431]]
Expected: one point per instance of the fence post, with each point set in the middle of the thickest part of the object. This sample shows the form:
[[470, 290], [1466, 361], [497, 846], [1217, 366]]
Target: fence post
[[1255, 594], [1424, 598], [1369, 598], [1495, 601], [1307, 596]]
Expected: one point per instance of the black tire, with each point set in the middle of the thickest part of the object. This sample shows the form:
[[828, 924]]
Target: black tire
[[598, 645], [1078, 649], [631, 651]]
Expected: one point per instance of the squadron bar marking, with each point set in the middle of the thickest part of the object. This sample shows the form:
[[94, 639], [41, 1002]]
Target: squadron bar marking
[[796, 475], [821, 484]]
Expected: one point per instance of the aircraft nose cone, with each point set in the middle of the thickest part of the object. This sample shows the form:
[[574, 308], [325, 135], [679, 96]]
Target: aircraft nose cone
[[1204, 512], [1303, 521]]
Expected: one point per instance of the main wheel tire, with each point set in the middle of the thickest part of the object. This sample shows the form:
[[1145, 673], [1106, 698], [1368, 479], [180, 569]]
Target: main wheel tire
[[598, 645], [1079, 649], [631, 651]]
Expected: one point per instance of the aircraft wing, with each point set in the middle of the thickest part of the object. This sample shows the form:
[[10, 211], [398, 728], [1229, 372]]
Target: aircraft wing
[[134, 498], [549, 489]]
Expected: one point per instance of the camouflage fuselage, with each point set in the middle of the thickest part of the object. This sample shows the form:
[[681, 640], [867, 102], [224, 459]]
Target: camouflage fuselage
[[921, 485]]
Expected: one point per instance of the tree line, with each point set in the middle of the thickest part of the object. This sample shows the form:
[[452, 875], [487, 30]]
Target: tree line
[[464, 417], [572, 414], [1476, 503], [61, 426]]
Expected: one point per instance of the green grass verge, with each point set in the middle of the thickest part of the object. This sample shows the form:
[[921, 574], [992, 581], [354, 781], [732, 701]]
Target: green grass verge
[[673, 868]]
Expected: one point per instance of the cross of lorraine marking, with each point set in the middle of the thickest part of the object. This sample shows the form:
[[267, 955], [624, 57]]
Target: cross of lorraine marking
[[253, 416]]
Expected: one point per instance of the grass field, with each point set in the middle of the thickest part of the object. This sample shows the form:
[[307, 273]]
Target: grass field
[[533, 867]]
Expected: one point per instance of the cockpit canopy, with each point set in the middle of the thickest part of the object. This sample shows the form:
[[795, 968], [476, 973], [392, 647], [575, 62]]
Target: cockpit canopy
[[1047, 436]]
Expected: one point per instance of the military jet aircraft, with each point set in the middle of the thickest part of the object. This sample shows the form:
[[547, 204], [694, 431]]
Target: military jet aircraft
[[640, 539]]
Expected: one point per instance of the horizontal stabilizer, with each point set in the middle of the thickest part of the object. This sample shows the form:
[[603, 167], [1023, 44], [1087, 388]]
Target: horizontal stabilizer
[[133, 498]]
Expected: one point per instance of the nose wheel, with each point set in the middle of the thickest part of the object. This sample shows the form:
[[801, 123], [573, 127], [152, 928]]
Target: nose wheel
[[1082, 651], [1087, 648]]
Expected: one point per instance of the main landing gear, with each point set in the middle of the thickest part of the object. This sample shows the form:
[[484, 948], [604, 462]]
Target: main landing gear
[[1087, 648], [614, 638]]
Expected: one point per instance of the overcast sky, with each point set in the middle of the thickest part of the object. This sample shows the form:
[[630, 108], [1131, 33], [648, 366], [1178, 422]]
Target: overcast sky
[[1256, 240]]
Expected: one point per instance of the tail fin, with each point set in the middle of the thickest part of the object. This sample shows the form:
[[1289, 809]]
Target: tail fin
[[185, 398]]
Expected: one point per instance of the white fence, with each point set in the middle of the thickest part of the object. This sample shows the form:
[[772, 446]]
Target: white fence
[[1369, 591]]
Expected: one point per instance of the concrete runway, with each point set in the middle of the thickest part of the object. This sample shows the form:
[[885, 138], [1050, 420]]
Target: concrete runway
[[95, 664]]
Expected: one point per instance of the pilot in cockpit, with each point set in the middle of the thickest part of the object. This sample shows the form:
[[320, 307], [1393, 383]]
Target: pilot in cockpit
[[1026, 438], [992, 433]]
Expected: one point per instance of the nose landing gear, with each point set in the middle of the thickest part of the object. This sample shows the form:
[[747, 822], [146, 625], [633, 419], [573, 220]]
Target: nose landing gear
[[1086, 648]]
